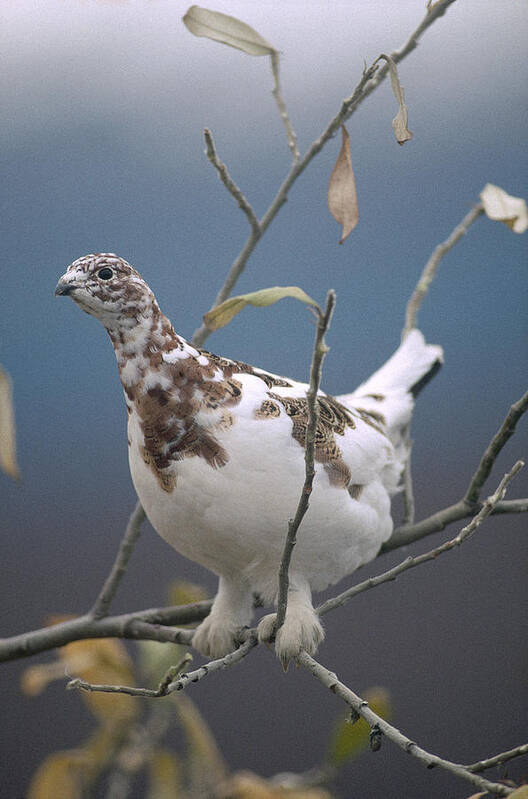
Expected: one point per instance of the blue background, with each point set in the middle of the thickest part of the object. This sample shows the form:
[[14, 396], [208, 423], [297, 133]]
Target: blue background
[[102, 150]]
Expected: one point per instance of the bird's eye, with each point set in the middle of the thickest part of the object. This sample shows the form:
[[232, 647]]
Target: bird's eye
[[106, 273]]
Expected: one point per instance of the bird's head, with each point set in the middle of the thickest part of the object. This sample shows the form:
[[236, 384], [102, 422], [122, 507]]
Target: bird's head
[[108, 288]]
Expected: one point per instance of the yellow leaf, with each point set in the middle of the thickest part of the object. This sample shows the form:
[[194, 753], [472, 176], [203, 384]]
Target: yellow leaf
[[519, 793], [102, 660], [349, 739], [164, 776], [342, 197], [227, 30], [59, 775], [7, 428], [205, 763], [502, 207], [222, 314], [181, 592], [246, 785]]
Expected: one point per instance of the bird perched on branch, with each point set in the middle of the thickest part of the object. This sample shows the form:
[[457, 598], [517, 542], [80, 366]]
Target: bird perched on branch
[[216, 453]]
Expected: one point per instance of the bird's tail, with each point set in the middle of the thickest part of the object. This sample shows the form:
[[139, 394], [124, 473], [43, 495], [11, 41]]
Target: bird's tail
[[390, 392]]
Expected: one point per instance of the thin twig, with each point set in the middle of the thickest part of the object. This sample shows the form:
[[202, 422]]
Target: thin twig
[[108, 591], [408, 533], [498, 760], [168, 685], [277, 93], [360, 706], [500, 438], [411, 562], [431, 266], [408, 491], [319, 352], [216, 665], [229, 183], [370, 80]]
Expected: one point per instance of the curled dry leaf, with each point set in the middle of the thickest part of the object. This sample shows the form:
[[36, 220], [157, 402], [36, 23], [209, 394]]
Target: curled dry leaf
[[399, 123], [502, 207], [227, 30], [222, 314], [7, 428], [342, 196]]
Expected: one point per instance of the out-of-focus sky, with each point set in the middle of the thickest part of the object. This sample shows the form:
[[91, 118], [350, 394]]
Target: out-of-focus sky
[[104, 104]]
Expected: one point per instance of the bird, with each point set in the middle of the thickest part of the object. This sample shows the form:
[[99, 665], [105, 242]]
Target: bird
[[216, 455]]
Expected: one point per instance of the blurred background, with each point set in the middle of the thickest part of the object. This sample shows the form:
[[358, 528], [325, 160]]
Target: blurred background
[[104, 104]]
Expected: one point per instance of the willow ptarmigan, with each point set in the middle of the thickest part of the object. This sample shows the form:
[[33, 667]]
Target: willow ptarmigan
[[216, 452]]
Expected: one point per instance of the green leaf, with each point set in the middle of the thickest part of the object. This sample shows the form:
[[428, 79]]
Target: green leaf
[[222, 314], [349, 739], [226, 30]]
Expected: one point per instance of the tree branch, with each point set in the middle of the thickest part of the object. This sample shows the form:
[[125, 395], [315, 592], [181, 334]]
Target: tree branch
[[141, 625], [408, 533], [411, 562], [108, 591], [409, 507], [431, 266], [319, 352], [228, 182], [168, 684], [360, 706], [370, 80], [498, 760], [290, 133], [500, 438]]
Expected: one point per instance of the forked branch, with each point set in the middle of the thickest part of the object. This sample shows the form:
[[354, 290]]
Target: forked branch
[[319, 352]]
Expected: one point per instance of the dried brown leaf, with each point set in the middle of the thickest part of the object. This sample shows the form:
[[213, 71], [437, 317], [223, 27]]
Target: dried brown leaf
[[222, 314], [8, 460], [342, 196], [399, 123], [227, 30]]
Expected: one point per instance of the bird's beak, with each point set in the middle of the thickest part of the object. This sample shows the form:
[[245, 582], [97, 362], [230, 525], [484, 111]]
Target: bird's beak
[[64, 287]]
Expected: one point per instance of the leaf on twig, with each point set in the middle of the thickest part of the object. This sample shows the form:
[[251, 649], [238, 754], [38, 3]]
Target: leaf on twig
[[7, 428], [222, 314], [227, 30], [349, 739], [342, 197], [502, 207], [399, 123]]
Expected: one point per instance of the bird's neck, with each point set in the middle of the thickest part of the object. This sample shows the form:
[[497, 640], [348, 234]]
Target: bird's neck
[[139, 343]]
